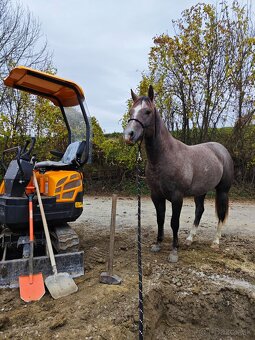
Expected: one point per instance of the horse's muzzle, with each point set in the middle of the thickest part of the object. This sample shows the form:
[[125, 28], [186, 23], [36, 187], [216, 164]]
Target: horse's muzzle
[[128, 139], [130, 136]]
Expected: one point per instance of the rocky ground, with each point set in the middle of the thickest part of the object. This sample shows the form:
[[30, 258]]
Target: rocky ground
[[207, 294]]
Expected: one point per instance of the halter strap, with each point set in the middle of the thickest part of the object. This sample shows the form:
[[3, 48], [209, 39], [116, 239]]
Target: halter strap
[[142, 125], [138, 121]]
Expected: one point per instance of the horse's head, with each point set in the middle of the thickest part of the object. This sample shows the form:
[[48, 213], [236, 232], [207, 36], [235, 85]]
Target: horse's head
[[142, 118]]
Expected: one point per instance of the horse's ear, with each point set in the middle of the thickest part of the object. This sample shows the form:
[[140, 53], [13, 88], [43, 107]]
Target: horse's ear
[[151, 93], [133, 95]]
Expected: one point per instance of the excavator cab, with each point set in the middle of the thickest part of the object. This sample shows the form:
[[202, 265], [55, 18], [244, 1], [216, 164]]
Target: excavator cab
[[60, 182]]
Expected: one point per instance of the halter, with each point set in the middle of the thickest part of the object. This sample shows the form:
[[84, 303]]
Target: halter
[[138, 121], [145, 126]]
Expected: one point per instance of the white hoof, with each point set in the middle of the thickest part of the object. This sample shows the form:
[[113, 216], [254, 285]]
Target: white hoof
[[192, 235], [155, 248], [189, 241]]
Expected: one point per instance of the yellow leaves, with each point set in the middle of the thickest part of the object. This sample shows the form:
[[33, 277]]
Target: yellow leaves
[[209, 10], [98, 134], [250, 41]]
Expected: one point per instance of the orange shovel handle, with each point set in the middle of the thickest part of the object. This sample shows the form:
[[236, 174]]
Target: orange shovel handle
[[31, 221]]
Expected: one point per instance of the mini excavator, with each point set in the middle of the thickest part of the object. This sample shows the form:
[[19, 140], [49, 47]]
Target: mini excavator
[[60, 184]]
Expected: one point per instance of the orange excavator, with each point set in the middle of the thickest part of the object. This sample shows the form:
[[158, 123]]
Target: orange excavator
[[60, 184]]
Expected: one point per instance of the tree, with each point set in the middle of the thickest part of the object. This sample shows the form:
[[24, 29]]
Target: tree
[[47, 125], [20, 44], [242, 67], [111, 150], [98, 139], [205, 71], [20, 39]]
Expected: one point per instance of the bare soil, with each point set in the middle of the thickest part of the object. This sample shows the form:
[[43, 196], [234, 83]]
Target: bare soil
[[206, 295]]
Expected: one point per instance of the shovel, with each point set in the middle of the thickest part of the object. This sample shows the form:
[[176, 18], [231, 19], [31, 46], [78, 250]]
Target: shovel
[[31, 286], [58, 284]]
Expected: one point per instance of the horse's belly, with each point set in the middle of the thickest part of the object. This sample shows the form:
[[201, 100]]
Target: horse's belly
[[208, 179]]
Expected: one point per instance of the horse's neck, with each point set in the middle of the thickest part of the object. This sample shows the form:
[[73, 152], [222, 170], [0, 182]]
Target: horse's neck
[[160, 142]]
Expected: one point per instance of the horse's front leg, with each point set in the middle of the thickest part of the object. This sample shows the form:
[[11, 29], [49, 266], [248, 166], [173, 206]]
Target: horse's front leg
[[160, 206], [175, 223]]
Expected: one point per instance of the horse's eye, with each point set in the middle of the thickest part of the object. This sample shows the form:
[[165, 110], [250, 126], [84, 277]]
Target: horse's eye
[[148, 112]]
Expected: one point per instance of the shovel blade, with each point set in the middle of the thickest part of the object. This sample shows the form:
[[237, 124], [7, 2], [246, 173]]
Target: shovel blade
[[60, 285], [31, 287]]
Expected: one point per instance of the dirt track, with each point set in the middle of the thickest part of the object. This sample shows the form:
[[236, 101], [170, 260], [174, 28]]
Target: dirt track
[[207, 294], [97, 211]]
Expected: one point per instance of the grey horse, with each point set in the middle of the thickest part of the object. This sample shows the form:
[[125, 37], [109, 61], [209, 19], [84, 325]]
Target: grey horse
[[175, 170]]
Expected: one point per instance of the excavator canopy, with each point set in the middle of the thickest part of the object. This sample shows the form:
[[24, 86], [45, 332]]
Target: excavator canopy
[[65, 94], [60, 91]]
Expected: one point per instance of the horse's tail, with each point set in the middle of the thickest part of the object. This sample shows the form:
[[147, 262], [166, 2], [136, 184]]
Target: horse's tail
[[222, 189], [221, 205]]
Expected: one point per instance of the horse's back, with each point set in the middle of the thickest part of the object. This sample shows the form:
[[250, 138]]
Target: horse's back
[[219, 150], [212, 149]]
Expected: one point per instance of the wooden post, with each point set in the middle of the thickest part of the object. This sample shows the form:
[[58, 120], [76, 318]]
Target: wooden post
[[112, 234], [108, 277]]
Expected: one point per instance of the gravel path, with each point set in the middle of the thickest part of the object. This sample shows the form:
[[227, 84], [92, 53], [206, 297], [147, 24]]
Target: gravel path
[[97, 211]]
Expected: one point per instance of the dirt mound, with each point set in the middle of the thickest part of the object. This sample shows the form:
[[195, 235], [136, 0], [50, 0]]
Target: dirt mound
[[207, 294]]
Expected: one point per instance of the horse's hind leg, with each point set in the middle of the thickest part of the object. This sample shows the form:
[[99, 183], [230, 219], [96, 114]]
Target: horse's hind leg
[[160, 206], [221, 205], [199, 202]]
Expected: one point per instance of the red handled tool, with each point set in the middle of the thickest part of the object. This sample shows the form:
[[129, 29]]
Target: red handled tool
[[32, 285]]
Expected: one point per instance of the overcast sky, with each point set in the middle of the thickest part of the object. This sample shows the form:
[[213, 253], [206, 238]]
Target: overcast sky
[[103, 45]]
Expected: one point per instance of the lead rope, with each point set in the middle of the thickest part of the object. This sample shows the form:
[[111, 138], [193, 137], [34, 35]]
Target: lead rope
[[139, 243]]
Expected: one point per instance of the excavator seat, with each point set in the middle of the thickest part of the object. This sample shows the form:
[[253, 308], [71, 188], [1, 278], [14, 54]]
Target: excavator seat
[[73, 158]]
